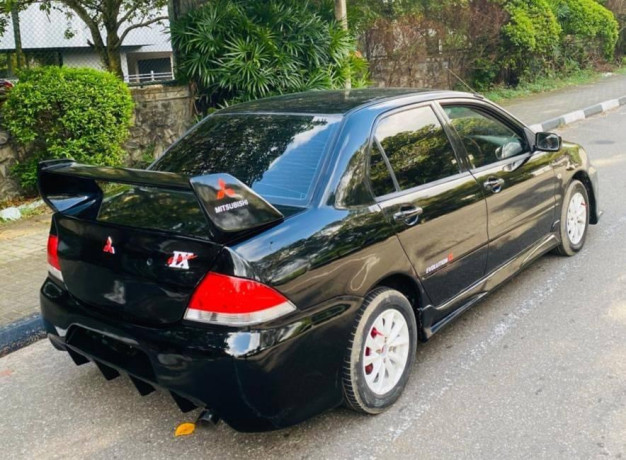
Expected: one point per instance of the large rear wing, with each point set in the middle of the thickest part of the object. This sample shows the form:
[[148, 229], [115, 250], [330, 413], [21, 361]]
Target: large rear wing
[[229, 205]]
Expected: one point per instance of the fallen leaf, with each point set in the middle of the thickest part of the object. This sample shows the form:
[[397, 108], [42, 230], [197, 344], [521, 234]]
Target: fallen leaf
[[185, 429]]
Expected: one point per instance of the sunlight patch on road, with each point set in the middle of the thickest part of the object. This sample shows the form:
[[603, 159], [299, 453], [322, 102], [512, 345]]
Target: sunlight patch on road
[[608, 162], [476, 353], [502, 329]]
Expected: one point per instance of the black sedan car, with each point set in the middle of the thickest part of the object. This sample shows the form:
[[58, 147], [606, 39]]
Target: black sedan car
[[285, 256]]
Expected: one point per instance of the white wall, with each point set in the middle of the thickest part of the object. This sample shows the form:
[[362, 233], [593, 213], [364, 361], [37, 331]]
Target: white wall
[[88, 58]]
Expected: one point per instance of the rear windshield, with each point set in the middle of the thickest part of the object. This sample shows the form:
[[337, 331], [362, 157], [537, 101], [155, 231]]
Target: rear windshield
[[278, 156]]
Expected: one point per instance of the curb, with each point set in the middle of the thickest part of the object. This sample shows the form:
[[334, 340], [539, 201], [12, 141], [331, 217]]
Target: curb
[[28, 330], [578, 115], [21, 333]]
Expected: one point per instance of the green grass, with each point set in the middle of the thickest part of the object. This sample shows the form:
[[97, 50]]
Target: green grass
[[544, 84]]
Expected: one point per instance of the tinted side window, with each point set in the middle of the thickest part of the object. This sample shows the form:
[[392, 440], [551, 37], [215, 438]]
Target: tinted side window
[[380, 177], [417, 147], [486, 139]]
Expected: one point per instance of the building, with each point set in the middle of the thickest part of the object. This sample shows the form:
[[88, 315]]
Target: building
[[146, 52]]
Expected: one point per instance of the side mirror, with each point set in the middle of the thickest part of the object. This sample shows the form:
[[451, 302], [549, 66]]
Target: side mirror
[[548, 142]]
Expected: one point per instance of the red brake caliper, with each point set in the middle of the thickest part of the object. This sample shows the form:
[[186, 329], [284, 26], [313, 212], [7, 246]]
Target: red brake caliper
[[370, 367]]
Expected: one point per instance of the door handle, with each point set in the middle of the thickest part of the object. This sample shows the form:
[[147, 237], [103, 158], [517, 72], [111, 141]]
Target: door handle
[[493, 184], [409, 214]]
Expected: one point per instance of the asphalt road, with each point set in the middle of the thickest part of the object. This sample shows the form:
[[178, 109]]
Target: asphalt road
[[537, 370]]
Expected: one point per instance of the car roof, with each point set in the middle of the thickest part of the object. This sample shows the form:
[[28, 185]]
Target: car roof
[[336, 101]]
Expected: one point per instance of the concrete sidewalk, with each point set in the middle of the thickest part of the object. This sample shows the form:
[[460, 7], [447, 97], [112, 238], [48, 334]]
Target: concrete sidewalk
[[23, 244], [22, 266], [22, 271]]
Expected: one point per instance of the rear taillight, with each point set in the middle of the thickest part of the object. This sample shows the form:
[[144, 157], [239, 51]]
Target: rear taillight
[[54, 268], [227, 300]]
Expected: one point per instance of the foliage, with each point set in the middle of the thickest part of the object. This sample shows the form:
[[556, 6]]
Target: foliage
[[236, 50], [618, 8], [541, 84], [60, 112], [109, 22], [530, 37], [485, 42], [592, 24], [532, 26]]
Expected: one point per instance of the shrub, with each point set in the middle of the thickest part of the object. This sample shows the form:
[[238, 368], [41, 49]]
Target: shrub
[[590, 25], [60, 112], [531, 37], [237, 50]]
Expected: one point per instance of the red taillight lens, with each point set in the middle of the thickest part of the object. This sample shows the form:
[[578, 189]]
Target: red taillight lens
[[222, 299], [54, 268]]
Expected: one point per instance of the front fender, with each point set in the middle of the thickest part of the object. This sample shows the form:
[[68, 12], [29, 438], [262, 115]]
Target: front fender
[[572, 162]]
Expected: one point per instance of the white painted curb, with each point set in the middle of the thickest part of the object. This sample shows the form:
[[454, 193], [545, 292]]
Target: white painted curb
[[578, 115]]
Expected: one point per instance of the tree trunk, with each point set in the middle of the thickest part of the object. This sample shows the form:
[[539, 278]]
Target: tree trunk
[[17, 36], [341, 15], [174, 12], [115, 62], [109, 53], [113, 53]]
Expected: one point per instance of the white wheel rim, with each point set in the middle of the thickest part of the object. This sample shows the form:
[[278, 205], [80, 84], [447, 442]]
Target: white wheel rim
[[386, 351], [576, 218]]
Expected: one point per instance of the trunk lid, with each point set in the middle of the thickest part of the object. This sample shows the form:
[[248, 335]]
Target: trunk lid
[[139, 276], [134, 244]]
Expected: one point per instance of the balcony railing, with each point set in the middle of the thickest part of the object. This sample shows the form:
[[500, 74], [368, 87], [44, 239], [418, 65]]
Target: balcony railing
[[148, 77]]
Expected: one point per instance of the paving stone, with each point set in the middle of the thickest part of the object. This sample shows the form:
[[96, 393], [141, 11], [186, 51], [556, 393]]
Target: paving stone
[[22, 267]]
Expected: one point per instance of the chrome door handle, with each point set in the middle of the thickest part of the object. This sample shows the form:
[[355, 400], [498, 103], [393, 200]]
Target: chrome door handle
[[493, 184], [409, 214]]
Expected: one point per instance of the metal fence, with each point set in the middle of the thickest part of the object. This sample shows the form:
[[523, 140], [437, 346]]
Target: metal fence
[[55, 38]]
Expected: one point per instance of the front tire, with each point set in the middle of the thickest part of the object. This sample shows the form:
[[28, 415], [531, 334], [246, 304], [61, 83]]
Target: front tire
[[574, 219], [381, 352]]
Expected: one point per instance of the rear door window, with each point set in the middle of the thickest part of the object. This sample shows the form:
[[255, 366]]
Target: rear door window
[[417, 147], [379, 173], [278, 156]]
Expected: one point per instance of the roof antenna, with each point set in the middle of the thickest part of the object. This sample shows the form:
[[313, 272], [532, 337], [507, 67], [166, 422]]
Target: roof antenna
[[462, 81]]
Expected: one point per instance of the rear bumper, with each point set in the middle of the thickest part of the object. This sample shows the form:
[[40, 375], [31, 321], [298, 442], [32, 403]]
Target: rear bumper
[[255, 380]]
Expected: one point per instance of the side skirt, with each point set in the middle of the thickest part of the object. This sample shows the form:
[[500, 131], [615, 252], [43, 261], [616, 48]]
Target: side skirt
[[467, 298]]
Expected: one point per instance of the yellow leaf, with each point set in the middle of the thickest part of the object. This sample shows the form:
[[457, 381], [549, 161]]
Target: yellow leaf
[[185, 429]]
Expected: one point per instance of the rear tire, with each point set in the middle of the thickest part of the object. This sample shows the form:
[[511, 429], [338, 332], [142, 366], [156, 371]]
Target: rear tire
[[574, 219], [381, 352]]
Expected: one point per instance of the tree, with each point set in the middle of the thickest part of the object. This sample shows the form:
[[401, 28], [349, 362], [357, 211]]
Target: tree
[[241, 50], [342, 18], [108, 21], [12, 8]]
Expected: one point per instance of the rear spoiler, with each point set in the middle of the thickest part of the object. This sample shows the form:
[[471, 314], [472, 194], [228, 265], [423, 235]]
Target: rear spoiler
[[230, 206]]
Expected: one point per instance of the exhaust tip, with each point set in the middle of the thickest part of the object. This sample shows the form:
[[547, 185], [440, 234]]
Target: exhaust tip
[[209, 416]]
